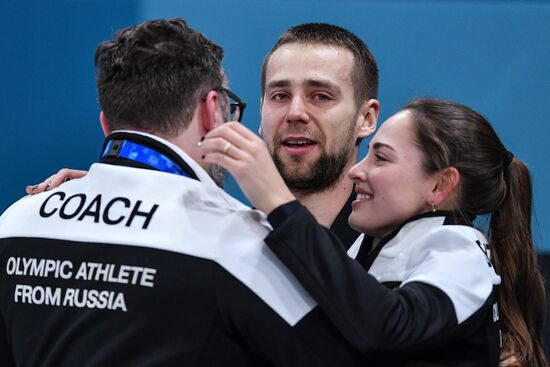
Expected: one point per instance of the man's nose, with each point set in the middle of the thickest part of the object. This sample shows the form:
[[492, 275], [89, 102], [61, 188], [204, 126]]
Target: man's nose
[[297, 111]]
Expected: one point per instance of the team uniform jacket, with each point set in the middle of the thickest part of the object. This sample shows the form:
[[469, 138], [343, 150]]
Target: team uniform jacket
[[132, 266], [428, 298], [341, 228]]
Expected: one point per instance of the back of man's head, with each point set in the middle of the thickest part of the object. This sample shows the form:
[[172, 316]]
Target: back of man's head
[[151, 77], [365, 70]]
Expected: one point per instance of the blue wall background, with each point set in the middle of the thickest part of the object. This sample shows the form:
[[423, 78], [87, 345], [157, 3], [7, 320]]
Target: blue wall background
[[491, 55]]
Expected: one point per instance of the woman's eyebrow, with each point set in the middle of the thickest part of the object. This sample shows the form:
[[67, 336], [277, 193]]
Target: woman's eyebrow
[[379, 145]]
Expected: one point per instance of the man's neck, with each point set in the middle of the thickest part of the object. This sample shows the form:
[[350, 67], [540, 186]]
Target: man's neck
[[325, 205]]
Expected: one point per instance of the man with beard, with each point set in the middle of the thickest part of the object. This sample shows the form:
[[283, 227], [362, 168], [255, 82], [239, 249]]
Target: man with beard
[[319, 87], [146, 261], [319, 90]]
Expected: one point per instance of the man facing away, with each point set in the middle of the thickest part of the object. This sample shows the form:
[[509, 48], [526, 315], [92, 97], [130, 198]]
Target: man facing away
[[311, 122], [146, 261], [319, 90]]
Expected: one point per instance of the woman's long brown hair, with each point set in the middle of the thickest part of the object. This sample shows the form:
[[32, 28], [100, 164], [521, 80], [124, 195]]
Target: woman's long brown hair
[[492, 182]]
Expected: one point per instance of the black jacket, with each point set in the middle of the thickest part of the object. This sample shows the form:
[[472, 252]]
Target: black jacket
[[428, 298], [131, 266]]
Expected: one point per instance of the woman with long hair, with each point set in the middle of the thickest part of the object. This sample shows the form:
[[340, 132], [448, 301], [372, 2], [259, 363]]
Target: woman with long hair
[[427, 287]]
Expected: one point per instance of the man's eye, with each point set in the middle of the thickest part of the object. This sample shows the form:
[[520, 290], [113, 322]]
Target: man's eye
[[322, 97], [279, 96], [380, 157]]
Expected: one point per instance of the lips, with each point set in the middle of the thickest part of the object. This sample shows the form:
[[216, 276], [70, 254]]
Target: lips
[[364, 196], [298, 146], [297, 142]]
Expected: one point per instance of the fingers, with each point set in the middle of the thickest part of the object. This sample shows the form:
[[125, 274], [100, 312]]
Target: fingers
[[226, 145], [243, 131], [220, 151], [247, 158], [55, 180], [223, 147], [234, 133], [41, 187]]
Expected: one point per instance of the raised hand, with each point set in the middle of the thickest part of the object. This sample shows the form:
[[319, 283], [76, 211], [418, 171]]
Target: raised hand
[[246, 157]]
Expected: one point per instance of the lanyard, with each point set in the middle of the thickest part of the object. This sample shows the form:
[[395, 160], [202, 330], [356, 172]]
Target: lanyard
[[122, 148]]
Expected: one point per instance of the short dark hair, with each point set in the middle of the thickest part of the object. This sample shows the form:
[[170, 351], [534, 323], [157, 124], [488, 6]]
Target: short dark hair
[[365, 70], [152, 75]]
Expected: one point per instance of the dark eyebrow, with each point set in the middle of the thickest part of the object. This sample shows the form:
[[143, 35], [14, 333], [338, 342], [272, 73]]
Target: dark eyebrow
[[321, 84], [277, 84], [379, 145], [312, 83]]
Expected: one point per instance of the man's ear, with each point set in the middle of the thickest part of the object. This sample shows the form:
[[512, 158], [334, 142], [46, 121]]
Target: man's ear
[[104, 123], [444, 190], [368, 118], [210, 112], [260, 131]]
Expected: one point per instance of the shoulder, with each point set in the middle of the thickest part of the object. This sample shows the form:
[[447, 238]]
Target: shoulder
[[449, 240], [18, 214], [154, 210], [432, 237], [455, 259]]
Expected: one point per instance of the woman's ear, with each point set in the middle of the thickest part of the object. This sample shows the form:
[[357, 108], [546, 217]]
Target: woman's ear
[[444, 190]]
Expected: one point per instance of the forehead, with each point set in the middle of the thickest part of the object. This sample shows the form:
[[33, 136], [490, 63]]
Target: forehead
[[397, 131], [298, 62]]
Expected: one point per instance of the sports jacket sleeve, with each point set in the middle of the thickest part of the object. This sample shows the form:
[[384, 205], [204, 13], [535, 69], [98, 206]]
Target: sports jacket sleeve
[[312, 341], [6, 358], [369, 315]]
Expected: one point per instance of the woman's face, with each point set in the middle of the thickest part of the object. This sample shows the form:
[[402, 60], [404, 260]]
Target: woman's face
[[390, 183]]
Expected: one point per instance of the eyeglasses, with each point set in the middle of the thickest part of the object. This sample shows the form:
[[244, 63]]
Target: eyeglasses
[[236, 105]]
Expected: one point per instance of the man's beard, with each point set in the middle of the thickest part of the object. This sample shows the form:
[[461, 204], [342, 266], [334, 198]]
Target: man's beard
[[323, 174], [218, 174]]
